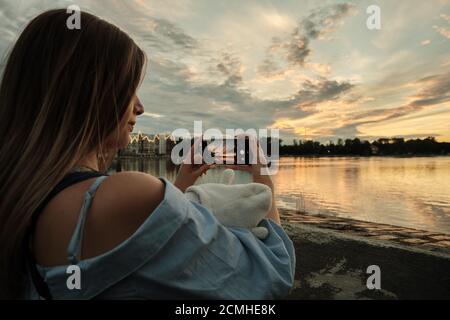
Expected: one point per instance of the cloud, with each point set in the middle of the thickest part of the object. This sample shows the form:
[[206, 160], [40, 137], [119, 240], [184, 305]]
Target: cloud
[[327, 122], [445, 17], [187, 80], [445, 31], [258, 71], [167, 36], [316, 92], [152, 115], [231, 67], [293, 50], [269, 68], [317, 25], [324, 20], [434, 90], [297, 48]]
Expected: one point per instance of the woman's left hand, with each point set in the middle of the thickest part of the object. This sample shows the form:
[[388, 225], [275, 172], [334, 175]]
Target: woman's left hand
[[189, 172]]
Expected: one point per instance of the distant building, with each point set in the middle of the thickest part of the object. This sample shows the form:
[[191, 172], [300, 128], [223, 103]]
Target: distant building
[[149, 145], [162, 146]]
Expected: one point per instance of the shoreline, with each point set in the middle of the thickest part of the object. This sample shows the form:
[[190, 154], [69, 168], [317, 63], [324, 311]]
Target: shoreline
[[334, 256], [365, 156], [421, 239], [157, 157]]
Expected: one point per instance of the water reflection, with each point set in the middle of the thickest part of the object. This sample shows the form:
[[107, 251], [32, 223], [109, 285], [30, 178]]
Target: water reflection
[[411, 192], [157, 167]]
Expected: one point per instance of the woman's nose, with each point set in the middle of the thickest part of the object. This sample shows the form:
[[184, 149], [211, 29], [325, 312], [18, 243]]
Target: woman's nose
[[138, 107]]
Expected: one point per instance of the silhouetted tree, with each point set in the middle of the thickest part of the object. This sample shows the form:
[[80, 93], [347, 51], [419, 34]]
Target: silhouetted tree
[[382, 146]]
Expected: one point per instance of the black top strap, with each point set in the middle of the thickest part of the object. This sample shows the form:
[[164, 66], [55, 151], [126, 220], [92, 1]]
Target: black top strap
[[69, 180]]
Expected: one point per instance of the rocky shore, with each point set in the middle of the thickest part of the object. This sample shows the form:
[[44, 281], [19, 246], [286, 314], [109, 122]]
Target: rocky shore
[[333, 255]]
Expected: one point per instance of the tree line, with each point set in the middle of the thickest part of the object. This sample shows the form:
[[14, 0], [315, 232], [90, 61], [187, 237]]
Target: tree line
[[383, 146]]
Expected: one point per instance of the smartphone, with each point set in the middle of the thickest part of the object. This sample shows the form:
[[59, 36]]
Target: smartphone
[[242, 151], [235, 151]]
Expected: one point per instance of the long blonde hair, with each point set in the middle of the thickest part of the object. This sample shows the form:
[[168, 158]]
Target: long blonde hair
[[63, 93]]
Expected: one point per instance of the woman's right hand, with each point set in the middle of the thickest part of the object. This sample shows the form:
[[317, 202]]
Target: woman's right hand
[[257, 171]]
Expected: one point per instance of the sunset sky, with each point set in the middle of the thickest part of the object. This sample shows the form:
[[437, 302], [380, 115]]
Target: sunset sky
[[310, 68]]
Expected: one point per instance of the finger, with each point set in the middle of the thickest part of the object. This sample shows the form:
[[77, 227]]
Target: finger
[[201, 171], [203, 168], [187, 156], [195, 151]]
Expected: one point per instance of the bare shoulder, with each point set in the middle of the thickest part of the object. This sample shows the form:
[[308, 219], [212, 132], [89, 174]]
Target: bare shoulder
[[122, 191], [120, 206]]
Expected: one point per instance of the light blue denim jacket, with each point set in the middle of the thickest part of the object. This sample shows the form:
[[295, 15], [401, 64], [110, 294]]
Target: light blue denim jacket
[[181, 251]]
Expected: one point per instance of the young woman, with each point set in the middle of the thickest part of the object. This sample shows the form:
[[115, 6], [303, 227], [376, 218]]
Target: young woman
[[67, 104]]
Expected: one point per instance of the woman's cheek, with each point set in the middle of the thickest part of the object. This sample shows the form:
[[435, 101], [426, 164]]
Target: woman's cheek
[[125, 138]]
